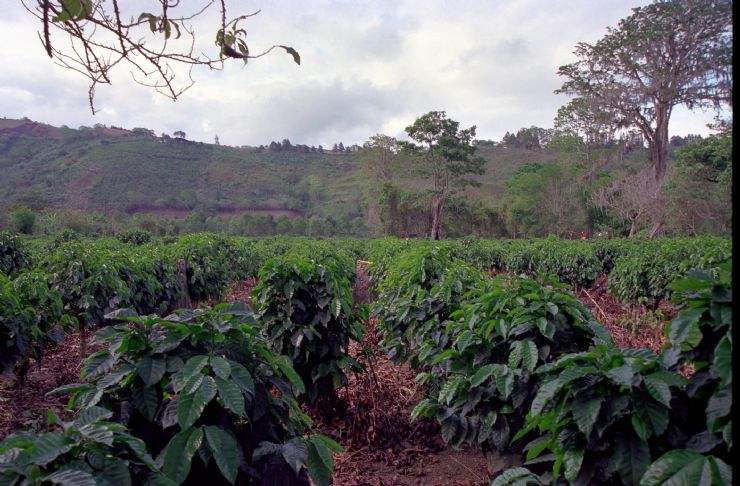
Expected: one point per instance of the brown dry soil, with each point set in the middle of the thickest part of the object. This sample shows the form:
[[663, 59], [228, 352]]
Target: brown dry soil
[[382, 446]]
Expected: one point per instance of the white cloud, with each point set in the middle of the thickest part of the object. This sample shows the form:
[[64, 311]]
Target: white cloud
[[367, 67]]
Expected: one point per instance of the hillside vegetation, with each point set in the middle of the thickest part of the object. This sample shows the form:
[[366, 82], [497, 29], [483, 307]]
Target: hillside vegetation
[[108, 179]]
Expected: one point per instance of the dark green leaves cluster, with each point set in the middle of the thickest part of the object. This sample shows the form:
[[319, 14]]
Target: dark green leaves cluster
[[88, 451], [31, 318], [629, 415], [306, 309], [500, 335], [13, 256], [197, 387], [419, 291]]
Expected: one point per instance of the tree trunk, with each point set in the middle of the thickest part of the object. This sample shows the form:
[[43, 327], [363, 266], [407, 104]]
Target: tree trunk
[[659, 144], [438, 202], [657, 229], [633, 227]]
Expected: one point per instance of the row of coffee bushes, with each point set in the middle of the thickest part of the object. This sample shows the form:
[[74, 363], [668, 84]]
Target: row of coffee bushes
[[522, 368], [191, 398], [639, 270]]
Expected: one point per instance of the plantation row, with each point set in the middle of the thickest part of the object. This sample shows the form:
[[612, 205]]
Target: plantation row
[[206, 395], [195, 391], [522, 368]]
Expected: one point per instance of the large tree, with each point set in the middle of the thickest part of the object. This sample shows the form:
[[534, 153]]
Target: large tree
[[668, 53], [93, 37], [446, 155]]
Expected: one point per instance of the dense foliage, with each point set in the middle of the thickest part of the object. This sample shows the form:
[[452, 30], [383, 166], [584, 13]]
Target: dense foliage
[[12, 254], [31, 318], [197, 389], [306, 308], [501, 335], [630, 416], [416, 296]]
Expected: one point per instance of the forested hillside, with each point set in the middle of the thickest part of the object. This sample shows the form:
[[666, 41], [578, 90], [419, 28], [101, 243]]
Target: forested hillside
[[106, 179]]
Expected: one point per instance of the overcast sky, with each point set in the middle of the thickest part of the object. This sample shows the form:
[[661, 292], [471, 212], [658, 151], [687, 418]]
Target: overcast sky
[[368, 66]]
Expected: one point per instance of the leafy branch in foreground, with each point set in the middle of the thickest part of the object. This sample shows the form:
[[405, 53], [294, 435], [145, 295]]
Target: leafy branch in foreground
[[154, 45]]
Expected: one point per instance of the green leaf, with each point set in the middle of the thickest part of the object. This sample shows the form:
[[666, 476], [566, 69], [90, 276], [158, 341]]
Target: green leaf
[[90, 415], [718, 406], [295, 454], [585, 413], [193, 366], [516, 476], [640, 427], [189, 407], [114, 378], [179, 454], [224, 448], [504, 377], [481, 375], [632, 458], [97, 364], [572, 458], [723, 358], [658, 389], [242, 378], [684, 329], [622, 375], [546, 392], [138, 448], [71, 477], [288, 371], [150, 369], [515, 354], [529, 355], [231, 395], [48, 447], [220, 367], [146, 399], [679, 467], [294, 53], [320, 463]]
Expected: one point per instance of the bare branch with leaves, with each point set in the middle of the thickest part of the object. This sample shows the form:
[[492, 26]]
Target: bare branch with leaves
[[92, 37]]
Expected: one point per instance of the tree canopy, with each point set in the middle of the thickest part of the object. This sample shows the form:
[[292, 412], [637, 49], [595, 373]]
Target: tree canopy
[[668, 53], [446, 155]]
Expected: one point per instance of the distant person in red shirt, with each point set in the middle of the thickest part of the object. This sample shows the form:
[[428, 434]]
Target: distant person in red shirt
[[583, 235]]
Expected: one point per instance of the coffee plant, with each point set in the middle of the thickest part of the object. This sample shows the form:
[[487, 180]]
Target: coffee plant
[[31, 318], [90, 450], [134, 237], [500, 336], [600, 414], [306, 308], [199, 388], [415, 300], [13, 256]]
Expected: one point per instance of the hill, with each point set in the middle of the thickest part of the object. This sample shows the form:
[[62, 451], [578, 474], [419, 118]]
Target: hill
[[115, 171]]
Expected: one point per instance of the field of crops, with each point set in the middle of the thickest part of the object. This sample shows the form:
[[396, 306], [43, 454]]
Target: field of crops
[[179, 386]]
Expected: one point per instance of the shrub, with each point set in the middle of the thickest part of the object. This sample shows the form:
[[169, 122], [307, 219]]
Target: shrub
[[89, 450], [207, 396], [134, 237], [422, 288], [31, 318], [13, 257], [500, 337], [307, 311], [600, 414]]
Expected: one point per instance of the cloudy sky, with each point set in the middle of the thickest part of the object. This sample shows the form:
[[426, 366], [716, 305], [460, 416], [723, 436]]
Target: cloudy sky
[[368, 66]]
